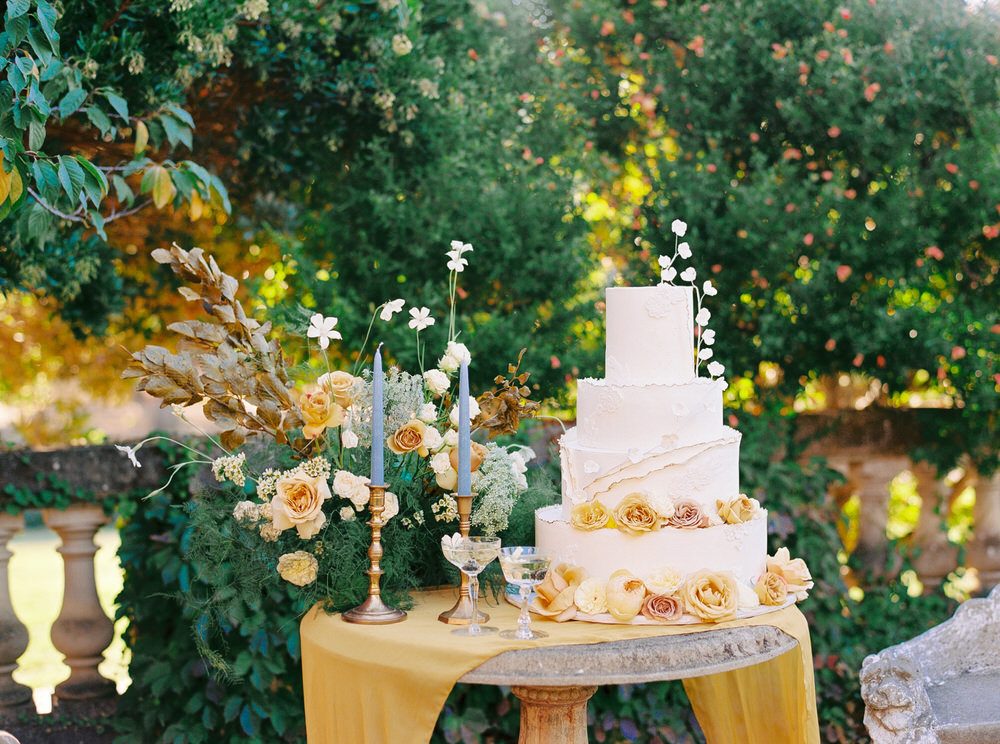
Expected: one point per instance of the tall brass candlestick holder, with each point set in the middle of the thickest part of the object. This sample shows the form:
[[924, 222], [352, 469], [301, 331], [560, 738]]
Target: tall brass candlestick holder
[[461, 613], [373, 611]]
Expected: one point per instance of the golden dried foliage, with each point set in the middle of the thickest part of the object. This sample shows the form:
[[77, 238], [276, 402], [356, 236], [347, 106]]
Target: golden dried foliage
[[502, 409]]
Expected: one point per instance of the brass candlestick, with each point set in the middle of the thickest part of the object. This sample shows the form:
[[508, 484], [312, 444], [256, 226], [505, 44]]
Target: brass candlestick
[[373, 611], [461, 613]]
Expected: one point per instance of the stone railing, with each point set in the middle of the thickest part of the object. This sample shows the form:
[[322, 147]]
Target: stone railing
[[870, 447], [82, 630]]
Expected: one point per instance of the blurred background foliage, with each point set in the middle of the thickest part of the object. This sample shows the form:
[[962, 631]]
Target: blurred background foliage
[[836, 162]]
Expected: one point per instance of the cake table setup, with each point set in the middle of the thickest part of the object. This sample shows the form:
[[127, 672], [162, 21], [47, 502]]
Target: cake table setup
[[653, 567], [650, 564]]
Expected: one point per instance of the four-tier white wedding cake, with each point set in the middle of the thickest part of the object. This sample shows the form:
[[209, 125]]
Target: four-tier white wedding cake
[[652, 525]]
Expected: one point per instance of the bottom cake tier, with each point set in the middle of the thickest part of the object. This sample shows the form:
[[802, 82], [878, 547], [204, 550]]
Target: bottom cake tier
[[740, 549]]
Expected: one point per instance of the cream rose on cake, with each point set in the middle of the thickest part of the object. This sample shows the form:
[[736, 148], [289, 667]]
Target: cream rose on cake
[[663, 581], [635, 515], [591, 597], [739, 510], [555, 596], [624, 595], [794, 571], [712, 596], [298, 502]]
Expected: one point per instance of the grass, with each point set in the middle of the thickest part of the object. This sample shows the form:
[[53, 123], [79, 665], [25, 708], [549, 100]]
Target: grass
[[36, 588]]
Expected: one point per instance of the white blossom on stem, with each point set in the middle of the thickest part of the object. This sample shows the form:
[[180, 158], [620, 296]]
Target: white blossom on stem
[[322, 328], [420, 318], [391, 308]]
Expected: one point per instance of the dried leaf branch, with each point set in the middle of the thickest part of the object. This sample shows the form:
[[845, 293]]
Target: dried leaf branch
[[502, 409], [227, 361]]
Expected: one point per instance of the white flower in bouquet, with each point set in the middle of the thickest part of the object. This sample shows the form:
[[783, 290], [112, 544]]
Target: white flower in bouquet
[[451, 438], [428, 413], [437, 381], [299, 568], [391, 506], [441, 463], [473, 412], [347, 514], [432, 441], [445, 509], [246, 511], [684, 250], [715, 369], [391, 308], [678, 228], [348, 439], [269, 533], [401, 45], [230, 468], [420, 318], [519, 466], [130, 453], [455, 262], [298, 503], [322, 328], [454, 354], [461, 248], [352, 487], [448, 480]]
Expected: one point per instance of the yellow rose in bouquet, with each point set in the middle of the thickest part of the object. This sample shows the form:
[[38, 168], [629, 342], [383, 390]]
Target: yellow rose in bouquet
[[339, 384], [319, 412], [298, 502]]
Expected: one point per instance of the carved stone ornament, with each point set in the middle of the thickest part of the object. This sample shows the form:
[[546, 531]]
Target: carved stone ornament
[[917, 692]]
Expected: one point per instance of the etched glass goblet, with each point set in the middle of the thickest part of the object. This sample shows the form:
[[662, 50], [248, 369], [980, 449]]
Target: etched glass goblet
[[525, 567], [471, 555]]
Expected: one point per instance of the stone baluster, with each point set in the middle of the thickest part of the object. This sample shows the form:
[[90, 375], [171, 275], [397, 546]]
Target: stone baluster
[[13, 636], [82, 631], [872, 479], [936, 555], [984, 546]]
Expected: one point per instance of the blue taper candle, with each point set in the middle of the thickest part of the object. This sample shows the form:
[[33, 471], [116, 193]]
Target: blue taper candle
[[464, 434], [378, 433]]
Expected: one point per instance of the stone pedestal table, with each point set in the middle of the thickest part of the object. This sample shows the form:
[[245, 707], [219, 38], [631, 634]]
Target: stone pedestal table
[[554, 683]]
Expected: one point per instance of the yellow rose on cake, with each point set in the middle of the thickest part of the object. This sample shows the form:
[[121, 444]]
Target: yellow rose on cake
[[712, 596], [556, 594], [590, 515], [635, 515], [298, 502], [794, 571], [772, 590], [624, 594]]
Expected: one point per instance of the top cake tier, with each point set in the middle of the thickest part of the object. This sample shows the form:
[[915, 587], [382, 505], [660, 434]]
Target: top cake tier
[[650, 335]]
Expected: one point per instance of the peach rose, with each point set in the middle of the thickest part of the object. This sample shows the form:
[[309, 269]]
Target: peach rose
[[298, 503], [478, 453], [793, 571], [739, 510], [625, 594], [590, 515], [771, 589], [688, 514], [662, 608], [711, 596], [319, 412], [408, 438], [339, 384], [554, 596], [635, 515]]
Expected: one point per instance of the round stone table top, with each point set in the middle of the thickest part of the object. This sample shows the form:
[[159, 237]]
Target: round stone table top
[[634, 661]]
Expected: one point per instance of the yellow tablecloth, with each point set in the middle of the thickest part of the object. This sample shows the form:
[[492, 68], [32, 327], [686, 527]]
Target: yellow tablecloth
[[387, 684]]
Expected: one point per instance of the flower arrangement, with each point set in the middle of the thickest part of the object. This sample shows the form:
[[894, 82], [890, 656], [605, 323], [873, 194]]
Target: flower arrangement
[[296, 444], [665, 596], [641, 512]]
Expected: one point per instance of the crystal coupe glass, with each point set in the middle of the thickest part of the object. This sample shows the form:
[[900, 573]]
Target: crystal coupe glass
[[471, 555], [525, 567]]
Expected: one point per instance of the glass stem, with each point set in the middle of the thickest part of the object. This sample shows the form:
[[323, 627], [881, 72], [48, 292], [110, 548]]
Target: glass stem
[[474, 596], [524, 619]]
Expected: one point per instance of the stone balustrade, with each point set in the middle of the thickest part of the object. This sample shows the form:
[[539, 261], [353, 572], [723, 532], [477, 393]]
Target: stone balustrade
[[869, 447]]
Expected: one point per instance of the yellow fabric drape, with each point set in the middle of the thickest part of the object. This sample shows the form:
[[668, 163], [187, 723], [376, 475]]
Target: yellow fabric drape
[[387, 684]]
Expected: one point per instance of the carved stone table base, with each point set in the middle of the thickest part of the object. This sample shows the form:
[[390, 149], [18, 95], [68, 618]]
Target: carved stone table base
[[554, 715]]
